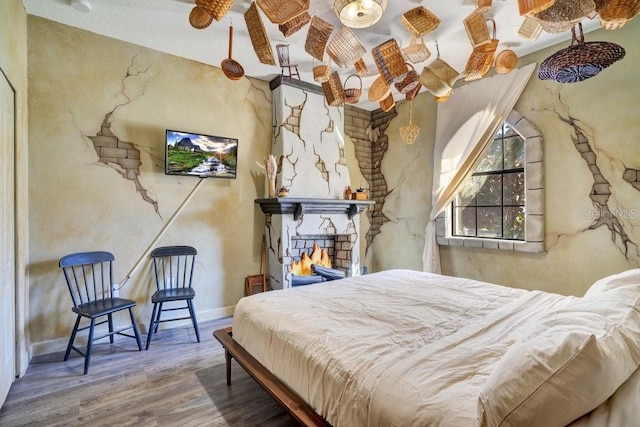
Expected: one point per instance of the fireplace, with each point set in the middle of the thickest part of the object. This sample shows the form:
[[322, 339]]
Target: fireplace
[[308, 144], [294, 224]]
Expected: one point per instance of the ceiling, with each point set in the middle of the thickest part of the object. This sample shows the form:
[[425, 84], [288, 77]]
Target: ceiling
[[164, 25]]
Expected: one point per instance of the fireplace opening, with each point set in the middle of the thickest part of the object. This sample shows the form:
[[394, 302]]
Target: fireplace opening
[[319, 258]]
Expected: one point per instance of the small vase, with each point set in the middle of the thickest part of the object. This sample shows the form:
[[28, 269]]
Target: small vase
[[272, 188]]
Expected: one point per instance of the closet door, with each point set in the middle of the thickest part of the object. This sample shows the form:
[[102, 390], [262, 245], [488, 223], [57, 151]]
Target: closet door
[[7, 238]]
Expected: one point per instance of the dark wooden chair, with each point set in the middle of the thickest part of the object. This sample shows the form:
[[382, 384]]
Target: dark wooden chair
[[173, 270], [89, 277]]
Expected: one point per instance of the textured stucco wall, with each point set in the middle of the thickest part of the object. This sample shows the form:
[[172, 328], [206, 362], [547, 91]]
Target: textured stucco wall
[[78, 81], [592, 209]]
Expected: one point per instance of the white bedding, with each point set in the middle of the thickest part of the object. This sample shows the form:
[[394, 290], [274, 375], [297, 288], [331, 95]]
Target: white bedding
[[396, 348]]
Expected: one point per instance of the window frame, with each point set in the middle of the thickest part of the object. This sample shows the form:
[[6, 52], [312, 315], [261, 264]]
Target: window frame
[[501, 173], [534, 199]]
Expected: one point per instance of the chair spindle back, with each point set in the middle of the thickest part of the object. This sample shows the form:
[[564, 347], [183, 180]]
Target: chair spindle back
[[89, 276]]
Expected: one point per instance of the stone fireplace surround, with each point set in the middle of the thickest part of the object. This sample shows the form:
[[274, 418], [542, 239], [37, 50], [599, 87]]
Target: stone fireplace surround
[[290, 219], [308, 144]]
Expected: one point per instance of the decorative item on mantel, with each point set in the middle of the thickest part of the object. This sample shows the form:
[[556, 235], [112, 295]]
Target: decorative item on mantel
[[283, 191], [271, 169]]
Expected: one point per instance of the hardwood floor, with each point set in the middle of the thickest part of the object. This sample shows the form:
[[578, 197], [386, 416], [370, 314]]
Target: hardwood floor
[[176, 382]]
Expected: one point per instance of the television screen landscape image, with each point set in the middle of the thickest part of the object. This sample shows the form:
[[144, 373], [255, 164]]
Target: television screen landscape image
[[200, 155]]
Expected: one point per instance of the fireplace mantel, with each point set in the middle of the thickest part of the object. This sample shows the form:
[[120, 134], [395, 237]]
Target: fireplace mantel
[[301, 206]]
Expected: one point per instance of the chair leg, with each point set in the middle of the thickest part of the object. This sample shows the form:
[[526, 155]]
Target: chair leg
[[110, 328], [193, 318], [151, 326], [87, 356], [158, 319], [135, 329], [72, 339]]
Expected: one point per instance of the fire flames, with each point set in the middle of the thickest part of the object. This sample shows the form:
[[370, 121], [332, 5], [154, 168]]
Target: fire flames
[[303, 267]]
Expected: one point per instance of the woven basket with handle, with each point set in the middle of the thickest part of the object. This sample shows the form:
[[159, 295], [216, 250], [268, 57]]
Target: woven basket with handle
[[258, 35], [484, 5], [417, 51], [345, 48], [216, 8], [317, 37], [420, 21], [580, 61], [352, 95], [410, 96], [476, 26], [481, 58], [279, 11], [389, 60], [333, 90], [409, 81], [294, 24]]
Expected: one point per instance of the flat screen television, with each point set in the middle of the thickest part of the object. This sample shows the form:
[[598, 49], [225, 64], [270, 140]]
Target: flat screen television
[[199, 155]]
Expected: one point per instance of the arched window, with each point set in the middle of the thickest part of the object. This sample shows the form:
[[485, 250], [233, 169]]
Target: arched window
[[502, 205]]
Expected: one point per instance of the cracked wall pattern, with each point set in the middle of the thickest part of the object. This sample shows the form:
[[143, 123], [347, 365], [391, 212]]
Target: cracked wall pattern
[[308, 139], [122, 156], [601, 192], [632, 176]]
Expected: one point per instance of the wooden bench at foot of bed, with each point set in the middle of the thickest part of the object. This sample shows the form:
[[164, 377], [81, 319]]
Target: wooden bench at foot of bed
[[298, 408]]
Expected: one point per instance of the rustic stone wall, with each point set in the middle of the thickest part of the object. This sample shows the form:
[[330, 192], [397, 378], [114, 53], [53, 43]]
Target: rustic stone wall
[[367, 131]]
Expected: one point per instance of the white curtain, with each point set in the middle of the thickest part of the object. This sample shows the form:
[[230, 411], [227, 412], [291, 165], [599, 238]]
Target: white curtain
[[465, 126]]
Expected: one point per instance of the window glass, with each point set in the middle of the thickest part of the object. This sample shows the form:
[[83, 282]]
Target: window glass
[[492, 202]]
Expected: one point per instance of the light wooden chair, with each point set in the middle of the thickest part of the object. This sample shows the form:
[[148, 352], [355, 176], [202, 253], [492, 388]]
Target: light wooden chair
[[285, 63]]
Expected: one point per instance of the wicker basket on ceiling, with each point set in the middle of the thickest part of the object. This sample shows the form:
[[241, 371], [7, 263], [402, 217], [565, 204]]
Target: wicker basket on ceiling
[[321, 72], [530, 28], [279, 11], [387, 103], [345, 48], [409, 82], [361, 67], [317, 37], [258, 35], [216, 8], [199, 18], [481, 58], [389, 60], [295, 24], [476, 26], [560, 17], [410, 96], [416, 52], [530, 7], [333, 90], [580, 61], [379, 89], [506, 61], [352, 95], [420, 21], [438, 77], [617, 13], [484, 5]]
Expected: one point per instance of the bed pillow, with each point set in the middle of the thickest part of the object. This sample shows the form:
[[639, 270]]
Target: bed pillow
[[629, 277], [568, 365]]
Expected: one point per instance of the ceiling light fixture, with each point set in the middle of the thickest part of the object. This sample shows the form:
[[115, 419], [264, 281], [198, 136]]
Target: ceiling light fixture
[[81, 5], [359, 13]]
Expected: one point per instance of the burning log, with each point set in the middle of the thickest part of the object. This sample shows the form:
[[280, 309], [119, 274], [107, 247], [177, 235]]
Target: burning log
[[318, 257]]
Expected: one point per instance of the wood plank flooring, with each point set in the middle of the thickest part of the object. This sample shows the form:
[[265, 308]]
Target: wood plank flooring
[[176, 382]]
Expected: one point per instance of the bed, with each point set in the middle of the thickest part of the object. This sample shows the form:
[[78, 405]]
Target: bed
[[406, 348]]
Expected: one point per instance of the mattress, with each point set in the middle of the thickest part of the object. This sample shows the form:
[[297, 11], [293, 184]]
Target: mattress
[[399, 347]]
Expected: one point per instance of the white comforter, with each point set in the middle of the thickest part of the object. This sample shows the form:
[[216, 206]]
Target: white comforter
[[396, 348]]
